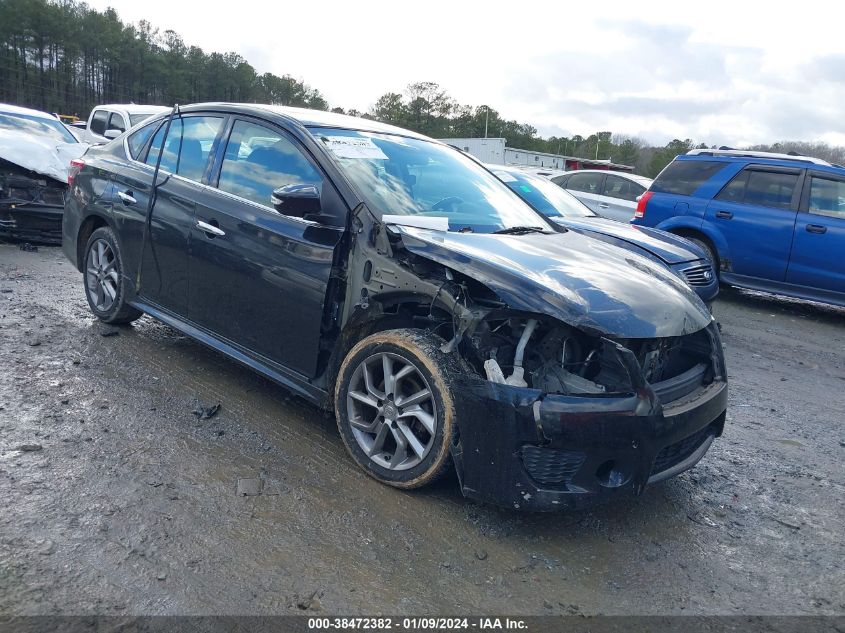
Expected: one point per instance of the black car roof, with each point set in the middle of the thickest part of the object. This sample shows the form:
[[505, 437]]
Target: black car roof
[[307, 117]]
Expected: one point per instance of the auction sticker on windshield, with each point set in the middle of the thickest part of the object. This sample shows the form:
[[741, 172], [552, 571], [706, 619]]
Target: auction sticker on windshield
[[353, 147]]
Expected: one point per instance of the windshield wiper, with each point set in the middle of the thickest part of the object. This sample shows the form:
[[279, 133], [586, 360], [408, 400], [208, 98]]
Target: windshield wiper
[[518, 230]]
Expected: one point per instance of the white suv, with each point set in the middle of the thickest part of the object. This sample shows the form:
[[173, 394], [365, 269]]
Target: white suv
[[110, 121]]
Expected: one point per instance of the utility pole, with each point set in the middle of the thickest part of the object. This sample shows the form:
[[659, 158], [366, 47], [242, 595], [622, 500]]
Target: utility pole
[[486, 118]]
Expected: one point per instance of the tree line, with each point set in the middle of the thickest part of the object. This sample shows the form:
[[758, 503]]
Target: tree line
[[63, 56]]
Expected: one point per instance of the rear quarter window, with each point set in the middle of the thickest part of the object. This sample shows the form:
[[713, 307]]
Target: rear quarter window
[[683, 177], [138, 140]]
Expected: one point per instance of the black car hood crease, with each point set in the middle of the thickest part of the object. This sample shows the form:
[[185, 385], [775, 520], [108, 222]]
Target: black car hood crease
[[579, 280]]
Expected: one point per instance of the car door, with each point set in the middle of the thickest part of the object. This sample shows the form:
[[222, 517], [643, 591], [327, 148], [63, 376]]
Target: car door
[[586, 187], [258, 279], [619, 198], [163, 256], [819, 243], [755, 213]]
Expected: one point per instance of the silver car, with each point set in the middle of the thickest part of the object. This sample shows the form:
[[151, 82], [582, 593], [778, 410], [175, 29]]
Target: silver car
[[611, 194]]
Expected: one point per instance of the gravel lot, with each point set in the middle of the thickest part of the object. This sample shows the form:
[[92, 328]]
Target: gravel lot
[[128, 503]]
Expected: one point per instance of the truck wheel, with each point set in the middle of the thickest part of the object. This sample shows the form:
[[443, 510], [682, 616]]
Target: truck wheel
[[104, 282], [394, 404]]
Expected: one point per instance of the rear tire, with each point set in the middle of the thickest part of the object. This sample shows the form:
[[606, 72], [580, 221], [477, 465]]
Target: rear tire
[[399, 430], [103, 277]]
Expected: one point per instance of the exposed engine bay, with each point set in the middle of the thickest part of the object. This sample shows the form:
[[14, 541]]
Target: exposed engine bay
[[559, 359], [520, 348]]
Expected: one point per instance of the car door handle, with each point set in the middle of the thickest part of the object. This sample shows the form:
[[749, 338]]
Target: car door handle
[[725, 215], [127, 197], [816, 228], [210, 229], [603, 205]]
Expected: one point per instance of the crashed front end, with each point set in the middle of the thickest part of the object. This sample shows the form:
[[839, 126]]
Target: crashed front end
[[31, 205], [592, 418], [590, 372]]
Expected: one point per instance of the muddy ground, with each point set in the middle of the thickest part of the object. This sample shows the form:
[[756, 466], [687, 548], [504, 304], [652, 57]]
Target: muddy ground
[[131, 504]]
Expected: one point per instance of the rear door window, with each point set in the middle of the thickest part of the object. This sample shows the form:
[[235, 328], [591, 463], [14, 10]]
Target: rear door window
[[683, 177], [827, 197], [772, 189], [258, 160], [588, 183], [98, 122], [188, 145], [622, 188]]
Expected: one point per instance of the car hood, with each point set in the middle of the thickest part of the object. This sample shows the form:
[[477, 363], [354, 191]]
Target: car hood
[[579, 280], [41, 155], [669, 248]]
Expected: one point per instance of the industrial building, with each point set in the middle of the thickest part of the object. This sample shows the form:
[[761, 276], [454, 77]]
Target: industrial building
[[496, 152]]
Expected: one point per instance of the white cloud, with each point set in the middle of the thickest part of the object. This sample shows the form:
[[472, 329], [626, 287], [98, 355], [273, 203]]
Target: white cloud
[[721, 72]]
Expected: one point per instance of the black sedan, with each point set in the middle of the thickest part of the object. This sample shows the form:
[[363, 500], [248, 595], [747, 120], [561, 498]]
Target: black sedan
[[684, 257], [390, 278]]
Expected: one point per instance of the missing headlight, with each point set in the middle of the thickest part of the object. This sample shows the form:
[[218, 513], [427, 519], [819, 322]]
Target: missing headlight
[[524, 351]]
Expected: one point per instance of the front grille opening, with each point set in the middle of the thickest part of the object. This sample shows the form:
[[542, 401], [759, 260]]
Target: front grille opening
[[699, 275], [675, 366]]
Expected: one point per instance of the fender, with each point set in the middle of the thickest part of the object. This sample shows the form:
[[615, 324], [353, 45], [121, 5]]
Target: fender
[[690, 224]]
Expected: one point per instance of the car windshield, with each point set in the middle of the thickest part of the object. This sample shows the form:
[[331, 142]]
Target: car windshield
[[135, 119], [544, 195], [52, 129], [397, 175]]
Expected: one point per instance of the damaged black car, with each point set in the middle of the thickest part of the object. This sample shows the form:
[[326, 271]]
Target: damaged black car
[[35, 152], [386, 276]]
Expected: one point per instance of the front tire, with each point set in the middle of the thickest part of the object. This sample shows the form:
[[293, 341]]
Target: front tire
[[105, 286], [394, 404]]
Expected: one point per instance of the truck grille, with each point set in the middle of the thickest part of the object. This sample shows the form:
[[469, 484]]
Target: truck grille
[[699, 275], [551, 465]]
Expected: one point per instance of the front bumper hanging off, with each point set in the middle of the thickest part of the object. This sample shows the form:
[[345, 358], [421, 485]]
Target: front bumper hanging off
[[524, 449]]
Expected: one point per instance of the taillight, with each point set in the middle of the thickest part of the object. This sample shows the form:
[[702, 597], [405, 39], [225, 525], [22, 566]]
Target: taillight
[[76, 166], [642, 202]]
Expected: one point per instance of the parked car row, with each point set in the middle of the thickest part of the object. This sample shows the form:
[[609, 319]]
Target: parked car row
[[770, 222], [452, 314], [393, 279], [687, 259]]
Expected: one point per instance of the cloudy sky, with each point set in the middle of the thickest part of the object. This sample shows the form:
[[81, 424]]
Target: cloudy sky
[[726, 73]]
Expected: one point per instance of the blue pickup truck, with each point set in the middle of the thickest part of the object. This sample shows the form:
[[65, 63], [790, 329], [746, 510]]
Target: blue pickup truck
[[771, 222]]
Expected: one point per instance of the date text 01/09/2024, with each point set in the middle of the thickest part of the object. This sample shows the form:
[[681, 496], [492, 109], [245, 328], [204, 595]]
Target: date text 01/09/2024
[[415, 623]]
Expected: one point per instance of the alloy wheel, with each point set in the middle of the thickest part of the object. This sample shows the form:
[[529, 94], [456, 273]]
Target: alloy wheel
[[392, 411], [101, 276]]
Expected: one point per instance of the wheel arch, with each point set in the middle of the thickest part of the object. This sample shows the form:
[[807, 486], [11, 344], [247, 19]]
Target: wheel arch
[[710, 236], [91, 223], [388, 311]]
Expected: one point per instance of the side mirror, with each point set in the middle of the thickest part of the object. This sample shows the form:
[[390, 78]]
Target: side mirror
[[296, 200], [112, 134]]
